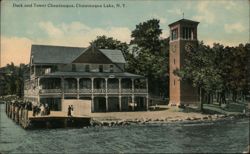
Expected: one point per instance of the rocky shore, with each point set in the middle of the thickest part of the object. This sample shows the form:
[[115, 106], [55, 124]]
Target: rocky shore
[[110, 122]]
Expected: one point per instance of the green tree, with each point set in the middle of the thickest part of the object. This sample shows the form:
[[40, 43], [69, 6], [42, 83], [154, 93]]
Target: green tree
[[146, 35], [104, 42], [14, 79], [150, 55], [218, 70], [201, 72]]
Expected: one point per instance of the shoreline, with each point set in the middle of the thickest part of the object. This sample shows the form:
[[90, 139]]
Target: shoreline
[[111, 122]]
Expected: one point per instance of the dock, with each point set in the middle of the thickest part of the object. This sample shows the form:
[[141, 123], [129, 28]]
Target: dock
[[56, 119]]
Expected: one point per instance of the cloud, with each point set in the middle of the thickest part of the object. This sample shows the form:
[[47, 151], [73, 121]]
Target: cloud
[[235, 27], [51, 30], [205, 14], [77, 33], [227, 4], [15, 49], [175, 11], [74, 27], [211, 41], [165, 33], [163, 20]]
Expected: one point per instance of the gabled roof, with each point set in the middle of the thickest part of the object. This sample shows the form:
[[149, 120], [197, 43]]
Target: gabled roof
[[47, 54], [184, 21], [92, 55], [54, 54], [115, 56]]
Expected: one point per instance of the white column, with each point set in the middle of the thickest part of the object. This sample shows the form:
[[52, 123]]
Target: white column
[[147, 94], [62, 87], [107, 104], [77, 80], [34, 70], [133, 95], [133, 86], [120, 96], [38, 91], [106, 92], [92, 94], [133, 102], [120, 103]]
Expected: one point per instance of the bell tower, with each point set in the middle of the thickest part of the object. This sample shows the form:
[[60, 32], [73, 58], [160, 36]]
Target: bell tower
[[183, 38]]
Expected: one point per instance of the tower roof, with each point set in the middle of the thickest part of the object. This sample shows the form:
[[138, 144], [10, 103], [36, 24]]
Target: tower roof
[[185, 21]]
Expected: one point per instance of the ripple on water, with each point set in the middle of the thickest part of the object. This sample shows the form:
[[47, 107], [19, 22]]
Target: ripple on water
[[224, 136]]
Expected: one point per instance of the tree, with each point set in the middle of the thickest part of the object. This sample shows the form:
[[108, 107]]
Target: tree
[[14, 79], [104, 42], [201, 71], [219, 69], [147, 35], [150, 55]]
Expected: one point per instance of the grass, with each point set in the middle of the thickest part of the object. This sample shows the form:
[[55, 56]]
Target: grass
[[231, 108]]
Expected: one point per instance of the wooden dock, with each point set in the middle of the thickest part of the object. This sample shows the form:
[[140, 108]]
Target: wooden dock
[[56, 119]]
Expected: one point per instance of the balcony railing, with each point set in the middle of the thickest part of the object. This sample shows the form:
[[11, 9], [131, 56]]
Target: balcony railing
[[85, 90], [94, 91], [70, 90], [126, 90], [99, 90], [113, 90], [50, 91], [140, 90]]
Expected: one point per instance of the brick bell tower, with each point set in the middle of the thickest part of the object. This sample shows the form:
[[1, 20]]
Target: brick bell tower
[[183, 38]]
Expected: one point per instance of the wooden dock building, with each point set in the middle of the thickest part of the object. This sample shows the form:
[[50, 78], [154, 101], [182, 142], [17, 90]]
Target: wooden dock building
[[90, 79]]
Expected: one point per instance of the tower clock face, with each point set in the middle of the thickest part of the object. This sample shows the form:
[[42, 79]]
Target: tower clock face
[[189, 47]]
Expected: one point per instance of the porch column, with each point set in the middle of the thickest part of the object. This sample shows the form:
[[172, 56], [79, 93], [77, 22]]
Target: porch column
[[30, 67], [133, 95], [38, 82], [147, 94], [92, 94], [62, 87], [107, 104], [120, 95], [34, 70], [106, 92], [77, 82], [133, 85], [38, 89], [133, 102]]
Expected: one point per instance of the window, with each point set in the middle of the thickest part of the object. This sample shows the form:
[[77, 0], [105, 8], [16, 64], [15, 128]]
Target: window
[[111, 68], [87, 68], [174, 34], [100, 68], [73, 67], [188, 33], [174, 61]]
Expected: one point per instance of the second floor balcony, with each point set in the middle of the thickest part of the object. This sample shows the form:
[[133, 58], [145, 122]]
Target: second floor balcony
[[89, 91], [92, 85]]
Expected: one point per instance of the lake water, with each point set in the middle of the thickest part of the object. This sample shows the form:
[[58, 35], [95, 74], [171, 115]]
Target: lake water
[[224, 136]]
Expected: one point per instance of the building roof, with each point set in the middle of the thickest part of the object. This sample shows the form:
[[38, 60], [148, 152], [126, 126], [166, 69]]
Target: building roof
[[47, 54], [115, 56], [54, 54], [93, 74], [184, 21]]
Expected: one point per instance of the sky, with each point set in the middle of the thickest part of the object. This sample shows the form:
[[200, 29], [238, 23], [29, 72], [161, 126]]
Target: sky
[[221, 21]]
